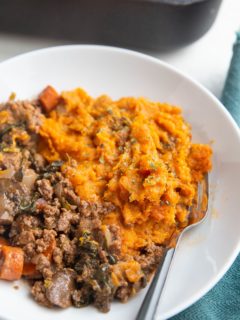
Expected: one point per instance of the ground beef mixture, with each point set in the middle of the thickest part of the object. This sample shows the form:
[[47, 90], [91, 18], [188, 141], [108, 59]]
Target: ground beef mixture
[[69, 256]]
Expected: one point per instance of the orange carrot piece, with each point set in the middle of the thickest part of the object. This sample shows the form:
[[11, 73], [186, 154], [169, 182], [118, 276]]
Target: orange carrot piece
[[29, 269], [49, 251], [49, 98], [11, 262]]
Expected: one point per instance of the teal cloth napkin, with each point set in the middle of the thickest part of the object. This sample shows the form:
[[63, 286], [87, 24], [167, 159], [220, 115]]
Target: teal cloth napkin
[[231, 91], [223, 301]]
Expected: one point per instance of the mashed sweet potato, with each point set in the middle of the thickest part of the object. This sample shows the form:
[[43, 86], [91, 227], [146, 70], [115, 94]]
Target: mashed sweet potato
[[132, 152]]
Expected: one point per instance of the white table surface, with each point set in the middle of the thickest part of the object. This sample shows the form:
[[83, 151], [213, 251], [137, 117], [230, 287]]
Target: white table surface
[[206, 60]]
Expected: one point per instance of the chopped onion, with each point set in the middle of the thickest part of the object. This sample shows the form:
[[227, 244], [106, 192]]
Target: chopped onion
[[7, 174], [29, 178], [2, 202], [108, 236], [5, 216], [58, 189]]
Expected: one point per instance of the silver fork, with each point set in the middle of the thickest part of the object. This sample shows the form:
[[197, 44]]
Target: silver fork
[[149, 306]]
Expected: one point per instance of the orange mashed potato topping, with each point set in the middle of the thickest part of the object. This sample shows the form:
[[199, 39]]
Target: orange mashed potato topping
[[134, 153]]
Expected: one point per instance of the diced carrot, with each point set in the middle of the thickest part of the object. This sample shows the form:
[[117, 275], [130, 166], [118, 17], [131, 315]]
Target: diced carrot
[[49, 251], [3, 241], [11, 262], [49, 98], [29, 269]]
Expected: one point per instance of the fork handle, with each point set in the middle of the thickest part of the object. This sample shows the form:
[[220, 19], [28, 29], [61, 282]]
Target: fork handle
[[150, 302]]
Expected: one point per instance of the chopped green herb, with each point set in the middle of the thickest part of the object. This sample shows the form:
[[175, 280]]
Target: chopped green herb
[[109, 111], [86, 233], [151, 180], [47, 283], [165, 202], [133, 140], [101, 160], [6, 130], [10, 149], [111, 259], [66, 204], [152, 165], [24, 206], [29, 205], [88, 244], [102, 274], [54, 166], [10, 127], [46, 175]]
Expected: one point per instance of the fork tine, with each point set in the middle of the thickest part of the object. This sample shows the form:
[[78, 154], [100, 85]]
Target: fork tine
[[202, 192]]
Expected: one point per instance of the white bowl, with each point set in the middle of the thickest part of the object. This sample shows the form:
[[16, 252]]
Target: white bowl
[[205, 253]]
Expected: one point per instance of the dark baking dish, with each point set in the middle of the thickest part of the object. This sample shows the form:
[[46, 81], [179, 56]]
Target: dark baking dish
[[146, 24]]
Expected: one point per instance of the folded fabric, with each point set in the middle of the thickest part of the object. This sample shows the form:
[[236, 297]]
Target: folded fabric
[[231, 92], [220, 303], [223, 301]]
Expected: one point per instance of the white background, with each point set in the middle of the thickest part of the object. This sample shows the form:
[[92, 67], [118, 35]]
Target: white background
[[206, 60]]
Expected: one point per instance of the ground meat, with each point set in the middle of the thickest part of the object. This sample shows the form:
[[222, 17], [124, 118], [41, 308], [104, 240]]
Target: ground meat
[[90, 224], [123, 293], [29, 251], [39, 293], [71, 197], [22, 223], [64, 222], [50, 215], [91, 214], [43, 265], [82, 297], [89, 217], [41, 262], [85, 267], [6, 210], [150, 258], [68, 248], [95, 209], [103, 255], [45, 189], [103, 298], [58, 257], [115, 242], [48, 237], [24, 112], [25, 237], [63, 189]]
